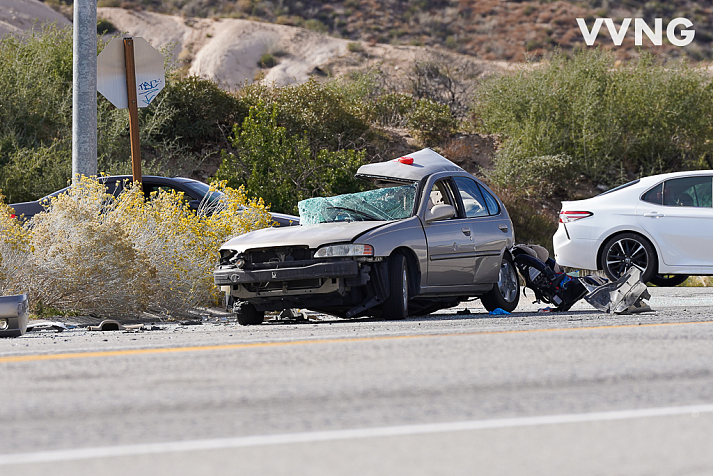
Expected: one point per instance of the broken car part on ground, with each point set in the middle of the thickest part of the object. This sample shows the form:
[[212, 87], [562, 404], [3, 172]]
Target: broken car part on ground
[[553, 286]]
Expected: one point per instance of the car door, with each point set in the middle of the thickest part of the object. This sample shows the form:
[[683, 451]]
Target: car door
[[451, 251], [488, 228], [678, 214]]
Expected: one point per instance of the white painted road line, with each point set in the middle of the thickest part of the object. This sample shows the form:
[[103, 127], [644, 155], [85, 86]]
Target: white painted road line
[[320, 436]]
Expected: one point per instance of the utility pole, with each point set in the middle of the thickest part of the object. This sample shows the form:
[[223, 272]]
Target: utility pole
[[84, 89]]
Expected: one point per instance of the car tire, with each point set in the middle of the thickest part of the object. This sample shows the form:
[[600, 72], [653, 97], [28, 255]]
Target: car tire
[[248, 315], [396, 305], [620, 252], [668, 280], [506, 292]]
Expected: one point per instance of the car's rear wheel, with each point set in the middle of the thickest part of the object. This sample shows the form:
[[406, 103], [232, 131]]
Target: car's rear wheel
[[506, 292], [396, 305], [621, 252], [248, 315], [668, 280]]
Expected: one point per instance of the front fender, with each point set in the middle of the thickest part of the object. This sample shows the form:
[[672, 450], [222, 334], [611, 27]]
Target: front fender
[[400, 234]]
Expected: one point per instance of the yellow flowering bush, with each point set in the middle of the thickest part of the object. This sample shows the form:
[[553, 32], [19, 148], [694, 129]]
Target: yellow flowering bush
[[92, 252], [82, 260], [14, 248], [183, 244]]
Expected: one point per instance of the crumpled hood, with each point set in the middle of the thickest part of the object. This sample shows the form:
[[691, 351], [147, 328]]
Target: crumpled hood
[[312, 236]]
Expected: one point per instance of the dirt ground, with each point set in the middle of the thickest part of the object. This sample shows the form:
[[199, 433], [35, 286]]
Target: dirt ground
[[17, 16]]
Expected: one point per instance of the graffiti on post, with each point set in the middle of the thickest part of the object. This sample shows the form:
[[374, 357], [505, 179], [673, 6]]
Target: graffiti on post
[[149, 90]]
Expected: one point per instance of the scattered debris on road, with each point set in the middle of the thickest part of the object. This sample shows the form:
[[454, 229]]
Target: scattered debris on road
[[112, 325], [36, 326], [623, 296], [553, 286]]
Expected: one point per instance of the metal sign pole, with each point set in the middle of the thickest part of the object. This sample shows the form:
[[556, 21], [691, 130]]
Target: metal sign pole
[[84, 89], [133, 110]]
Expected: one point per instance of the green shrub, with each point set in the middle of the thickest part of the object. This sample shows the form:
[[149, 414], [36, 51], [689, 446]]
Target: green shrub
[[451, 42], [266, 61], [614, 121], [280, 168], [104, 26], [392, 109], [355, 47], [33, 173], [196, 112], [531, 225], [331, 115], [430, 122], [35, 112], [315, 25], [544, 176], [35, 89]]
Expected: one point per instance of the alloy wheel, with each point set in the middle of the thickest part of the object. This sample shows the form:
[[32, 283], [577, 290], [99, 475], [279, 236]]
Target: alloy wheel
[[625, 253], [507, 281]]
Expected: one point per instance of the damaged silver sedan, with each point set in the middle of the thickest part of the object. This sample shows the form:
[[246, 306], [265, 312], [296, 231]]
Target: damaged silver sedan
[[428, 237]]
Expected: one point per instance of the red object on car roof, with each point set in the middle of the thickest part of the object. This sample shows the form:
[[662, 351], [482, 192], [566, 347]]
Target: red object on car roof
[[406, 160]]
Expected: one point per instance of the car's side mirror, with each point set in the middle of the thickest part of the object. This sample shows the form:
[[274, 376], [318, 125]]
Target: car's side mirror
[[440, 212]]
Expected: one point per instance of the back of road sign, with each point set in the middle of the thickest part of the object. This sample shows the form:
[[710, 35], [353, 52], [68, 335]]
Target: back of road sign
[[111, 72]]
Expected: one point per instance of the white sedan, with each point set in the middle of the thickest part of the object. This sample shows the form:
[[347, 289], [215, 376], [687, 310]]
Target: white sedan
[[661, 224]]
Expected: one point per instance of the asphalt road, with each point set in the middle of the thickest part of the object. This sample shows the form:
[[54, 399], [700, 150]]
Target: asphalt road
[[532, 393]]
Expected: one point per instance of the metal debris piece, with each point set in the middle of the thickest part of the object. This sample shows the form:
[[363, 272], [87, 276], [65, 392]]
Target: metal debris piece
[[112, 325], [291, 315], [46, 326], [623, 296]]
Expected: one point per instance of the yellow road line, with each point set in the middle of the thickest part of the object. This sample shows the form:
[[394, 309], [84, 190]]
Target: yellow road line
[[166, 350]]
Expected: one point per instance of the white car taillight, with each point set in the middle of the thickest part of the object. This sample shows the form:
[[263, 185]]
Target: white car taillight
[[570, 216]]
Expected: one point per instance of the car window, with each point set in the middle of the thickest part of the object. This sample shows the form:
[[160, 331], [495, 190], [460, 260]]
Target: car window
[[655, 195], [472, 198], [688, 192], [441, 194], [202, 191], [490, 201], [154, 188]]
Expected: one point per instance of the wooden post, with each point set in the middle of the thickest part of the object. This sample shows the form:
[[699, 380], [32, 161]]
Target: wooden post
[[133, 110]]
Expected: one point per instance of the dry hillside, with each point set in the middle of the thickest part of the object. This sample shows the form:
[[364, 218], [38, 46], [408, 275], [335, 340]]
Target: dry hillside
[[229, 50], [17, 16], [489, 29]]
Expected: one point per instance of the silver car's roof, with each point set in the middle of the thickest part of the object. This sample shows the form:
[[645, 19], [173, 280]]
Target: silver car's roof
[[425, 163]]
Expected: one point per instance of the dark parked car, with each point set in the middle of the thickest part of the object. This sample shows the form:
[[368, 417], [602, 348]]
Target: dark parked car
[[193, 190], [429, 236]]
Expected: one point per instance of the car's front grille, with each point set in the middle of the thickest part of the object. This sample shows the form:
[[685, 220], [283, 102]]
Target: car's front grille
[[277, 255], [267, 258]]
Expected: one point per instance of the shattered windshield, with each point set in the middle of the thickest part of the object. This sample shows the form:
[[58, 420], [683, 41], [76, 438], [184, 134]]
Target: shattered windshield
[[384, 204]]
